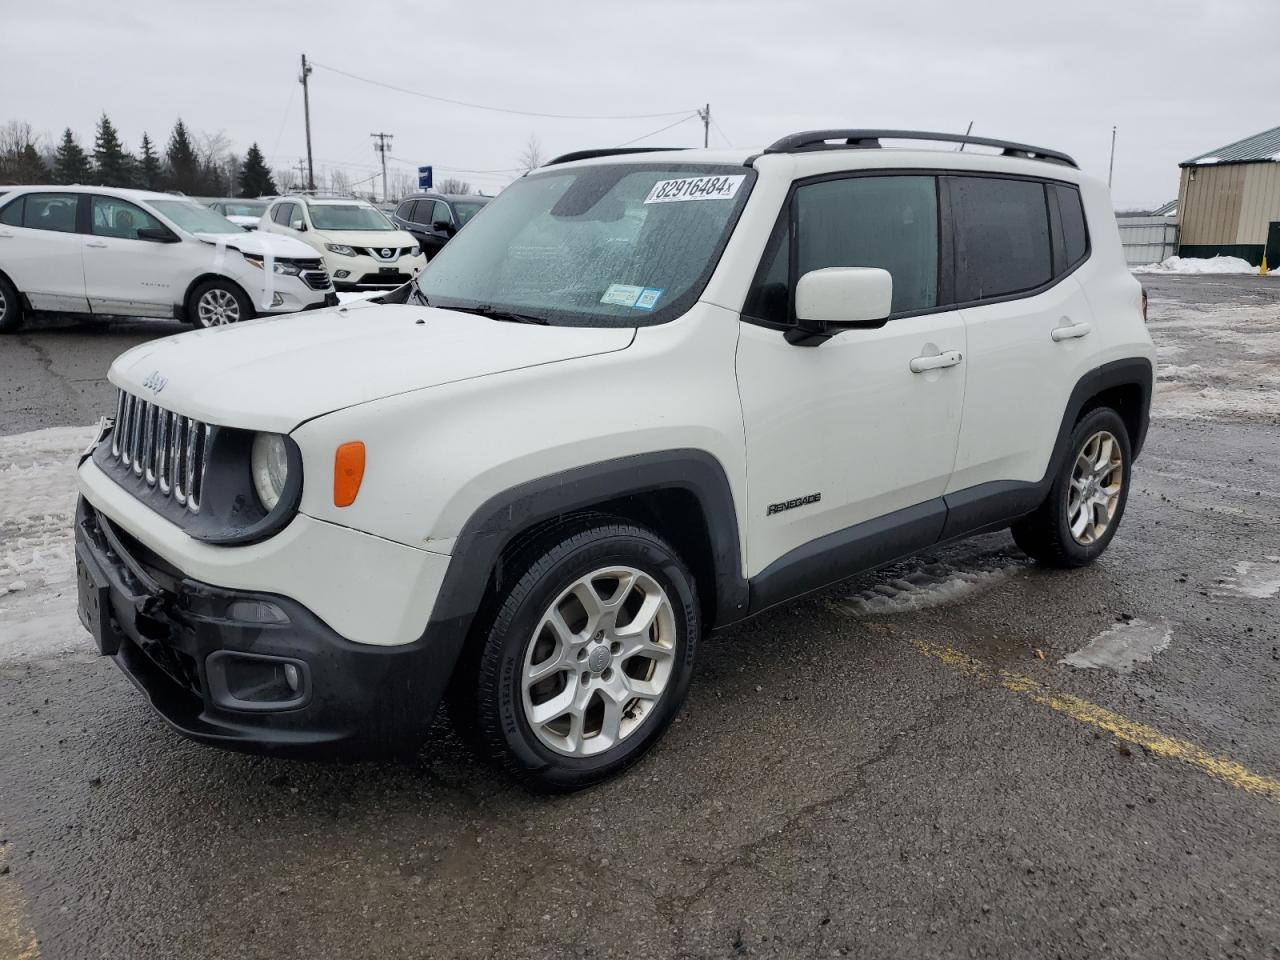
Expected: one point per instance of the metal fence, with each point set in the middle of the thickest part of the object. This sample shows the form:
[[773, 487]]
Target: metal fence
[[1148, 239]]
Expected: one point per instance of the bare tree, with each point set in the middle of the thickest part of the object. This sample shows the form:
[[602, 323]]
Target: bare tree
[[20, 160], [399, 183], [454, 185], [531, 157], [339, 181]]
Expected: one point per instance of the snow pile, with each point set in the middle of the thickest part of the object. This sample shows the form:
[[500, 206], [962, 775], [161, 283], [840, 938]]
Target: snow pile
[[37, 551], [1194, 265]]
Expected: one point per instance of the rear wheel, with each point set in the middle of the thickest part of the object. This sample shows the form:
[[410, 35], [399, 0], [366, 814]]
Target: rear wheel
[[586, 659], [1087, 500], [217, 303], [10, 307]]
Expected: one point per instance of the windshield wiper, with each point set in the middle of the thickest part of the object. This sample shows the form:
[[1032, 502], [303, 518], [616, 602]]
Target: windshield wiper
[[510, 316]]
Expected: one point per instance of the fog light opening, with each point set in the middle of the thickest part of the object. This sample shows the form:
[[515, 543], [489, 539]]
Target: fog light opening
[[342, 274], [291, 677]]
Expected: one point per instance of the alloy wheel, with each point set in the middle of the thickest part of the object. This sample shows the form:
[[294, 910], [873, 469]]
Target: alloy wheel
[[218, 307], [1093, 495], [599, 661]]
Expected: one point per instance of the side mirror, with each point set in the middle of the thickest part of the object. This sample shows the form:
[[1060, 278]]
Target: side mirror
[[300, 225], [839, 297], [444, 226], [157, 235]]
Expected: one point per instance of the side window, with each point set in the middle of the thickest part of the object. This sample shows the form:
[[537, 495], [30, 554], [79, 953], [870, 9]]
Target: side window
[[1075, 238], [405, 210], [770, 296], [119, 218], [887, 222], [1001, 231], [441, 213], [50, 211], [11, 215], [422, 211], [281, 214]]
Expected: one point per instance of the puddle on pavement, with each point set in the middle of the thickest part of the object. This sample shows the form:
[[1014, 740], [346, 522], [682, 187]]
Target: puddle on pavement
[[1122, 647], [1258, 580]]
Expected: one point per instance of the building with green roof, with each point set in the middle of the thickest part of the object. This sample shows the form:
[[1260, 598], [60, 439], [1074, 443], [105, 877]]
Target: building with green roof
[[1229, 201]]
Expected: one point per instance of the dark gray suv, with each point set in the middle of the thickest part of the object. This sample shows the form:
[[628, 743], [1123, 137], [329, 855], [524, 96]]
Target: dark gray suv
[[433, 218]]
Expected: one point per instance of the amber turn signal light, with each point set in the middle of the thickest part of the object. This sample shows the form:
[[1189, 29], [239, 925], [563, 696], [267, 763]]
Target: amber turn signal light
[[348, 471]]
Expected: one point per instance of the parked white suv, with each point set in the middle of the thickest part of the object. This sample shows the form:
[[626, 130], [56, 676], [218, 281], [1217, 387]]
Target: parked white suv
[[362, 248], [644, 396], [106, 251]]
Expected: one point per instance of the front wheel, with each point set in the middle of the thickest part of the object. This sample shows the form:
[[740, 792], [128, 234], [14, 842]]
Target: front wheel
[[1083, 510], [217, 303], [587, 659]]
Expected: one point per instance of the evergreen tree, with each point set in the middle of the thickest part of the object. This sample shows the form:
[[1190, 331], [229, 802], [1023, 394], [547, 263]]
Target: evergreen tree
[[70, 164], [255, 178], [28, 167], [109, 156], [184, 172], [149, 171]]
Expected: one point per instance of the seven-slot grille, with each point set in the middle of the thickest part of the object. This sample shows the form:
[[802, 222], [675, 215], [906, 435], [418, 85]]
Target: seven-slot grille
[[166, 449]]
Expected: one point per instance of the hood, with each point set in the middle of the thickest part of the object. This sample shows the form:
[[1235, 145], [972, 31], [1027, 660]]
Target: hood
[[368, 238], [250, 223], [277, 372], [262, 244]]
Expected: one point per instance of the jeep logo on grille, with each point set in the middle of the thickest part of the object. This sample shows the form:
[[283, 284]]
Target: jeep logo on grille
[[154, 382]]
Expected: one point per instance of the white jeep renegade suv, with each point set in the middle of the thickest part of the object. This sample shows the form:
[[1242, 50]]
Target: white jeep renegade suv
[[642, 396]]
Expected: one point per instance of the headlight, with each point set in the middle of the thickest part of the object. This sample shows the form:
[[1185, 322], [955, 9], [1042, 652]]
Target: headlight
[[285, 267], [341, 249], [269, 464], [414, 251]]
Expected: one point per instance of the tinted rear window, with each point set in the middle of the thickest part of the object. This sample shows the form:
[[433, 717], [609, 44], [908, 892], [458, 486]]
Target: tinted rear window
[[1074, 236], [1001, 237]]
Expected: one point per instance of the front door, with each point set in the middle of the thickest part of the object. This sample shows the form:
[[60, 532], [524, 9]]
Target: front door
[[845, 432], [125, 275], [41, 250]]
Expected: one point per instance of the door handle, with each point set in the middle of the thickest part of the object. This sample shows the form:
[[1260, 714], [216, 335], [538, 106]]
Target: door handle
[[95, 243], [1070, 332], [936, 362]]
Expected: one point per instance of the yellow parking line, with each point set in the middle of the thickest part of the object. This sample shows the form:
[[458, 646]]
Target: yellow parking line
[[17, 939], [1171, 748]]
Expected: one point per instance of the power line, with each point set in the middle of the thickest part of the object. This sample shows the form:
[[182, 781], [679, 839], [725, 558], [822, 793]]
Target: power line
[[721, 132], [275, 151], [652, 133], [482, 106]]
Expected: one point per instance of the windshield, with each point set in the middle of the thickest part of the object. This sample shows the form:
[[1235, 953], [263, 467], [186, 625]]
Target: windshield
[[603, 245], [466, 209], [194, 218], [244, 208], [347, 216]]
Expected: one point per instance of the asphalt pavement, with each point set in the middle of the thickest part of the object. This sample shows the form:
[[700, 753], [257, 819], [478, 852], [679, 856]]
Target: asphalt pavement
[[900, 766]]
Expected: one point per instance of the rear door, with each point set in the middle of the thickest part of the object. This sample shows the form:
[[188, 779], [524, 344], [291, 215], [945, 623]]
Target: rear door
[[1016, 243], [125, 275], [40, 249]]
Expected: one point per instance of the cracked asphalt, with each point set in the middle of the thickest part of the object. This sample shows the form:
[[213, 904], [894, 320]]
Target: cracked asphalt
[[829, 789]]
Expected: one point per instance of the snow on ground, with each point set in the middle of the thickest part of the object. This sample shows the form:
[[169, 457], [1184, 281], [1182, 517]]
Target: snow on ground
[[37, 551], [1193, 265], [1216, 360], [361, 295]]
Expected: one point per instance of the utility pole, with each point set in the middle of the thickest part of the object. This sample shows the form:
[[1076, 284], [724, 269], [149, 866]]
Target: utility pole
[[705, 116], [303, 166], [1112, 165], [306, 112], [381, 146]]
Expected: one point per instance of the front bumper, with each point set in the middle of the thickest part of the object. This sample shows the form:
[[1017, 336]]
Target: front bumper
[[352, 274], [212, 661]]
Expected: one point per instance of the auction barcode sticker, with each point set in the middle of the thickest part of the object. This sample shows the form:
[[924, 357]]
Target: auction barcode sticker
[[695, 188]]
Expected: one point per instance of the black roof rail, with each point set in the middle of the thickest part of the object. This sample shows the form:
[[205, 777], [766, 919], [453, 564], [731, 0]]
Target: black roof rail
[[870, 139], [605, 152]]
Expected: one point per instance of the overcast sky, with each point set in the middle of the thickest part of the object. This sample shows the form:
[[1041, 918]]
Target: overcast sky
[[1178, 78]]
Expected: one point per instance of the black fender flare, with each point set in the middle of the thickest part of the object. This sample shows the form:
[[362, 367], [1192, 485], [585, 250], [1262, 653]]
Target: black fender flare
[[504, 516]]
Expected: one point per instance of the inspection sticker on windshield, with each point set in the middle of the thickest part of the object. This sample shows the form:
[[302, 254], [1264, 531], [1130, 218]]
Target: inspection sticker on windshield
[[622, 294], [695, 188]]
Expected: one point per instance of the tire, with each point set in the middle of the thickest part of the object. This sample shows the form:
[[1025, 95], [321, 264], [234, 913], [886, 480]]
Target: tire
[[10, 308], [593, 710], [1063, 532], [217, 303]]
